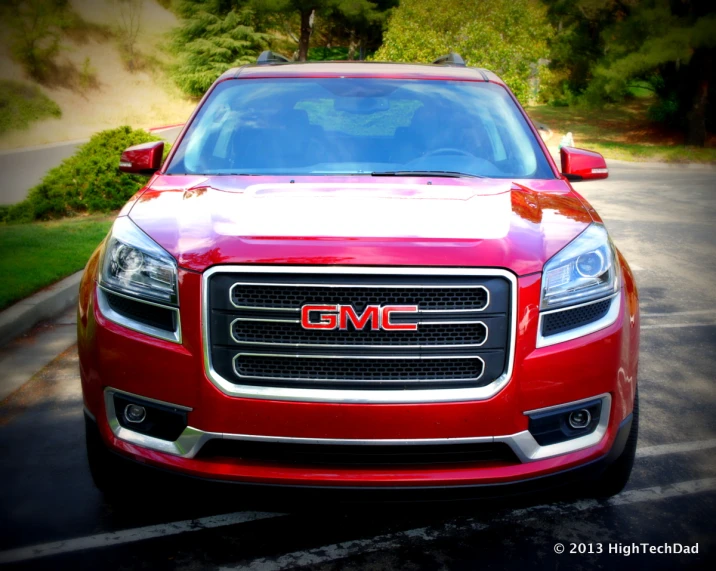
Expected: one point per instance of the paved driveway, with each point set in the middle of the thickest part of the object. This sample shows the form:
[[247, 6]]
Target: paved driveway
[[661, 218]]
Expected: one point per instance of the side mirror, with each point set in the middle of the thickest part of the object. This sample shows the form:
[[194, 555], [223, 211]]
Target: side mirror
[[142, 159], [579, 164]]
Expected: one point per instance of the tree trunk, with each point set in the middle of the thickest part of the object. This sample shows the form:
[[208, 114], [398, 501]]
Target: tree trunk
[[696, 117], [306, 29], [352, 46]]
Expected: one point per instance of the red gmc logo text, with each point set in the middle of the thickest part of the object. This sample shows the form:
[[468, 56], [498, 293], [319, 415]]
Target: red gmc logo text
[[338, 317]]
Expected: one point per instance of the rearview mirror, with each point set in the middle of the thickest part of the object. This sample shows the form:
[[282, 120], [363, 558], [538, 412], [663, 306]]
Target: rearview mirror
[[142, 159], [580, 164]]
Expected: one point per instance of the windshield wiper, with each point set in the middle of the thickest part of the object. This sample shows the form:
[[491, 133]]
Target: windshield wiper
[[443, 174]]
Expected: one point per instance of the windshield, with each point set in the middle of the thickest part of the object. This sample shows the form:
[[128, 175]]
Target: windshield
[[337, 126]]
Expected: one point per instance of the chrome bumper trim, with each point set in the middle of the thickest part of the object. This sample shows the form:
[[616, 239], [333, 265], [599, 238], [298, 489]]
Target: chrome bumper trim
[[522, 443], [339, 395]]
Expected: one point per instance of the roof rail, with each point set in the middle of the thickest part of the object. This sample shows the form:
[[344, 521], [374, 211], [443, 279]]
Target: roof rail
[[268, 57], [450, 59]]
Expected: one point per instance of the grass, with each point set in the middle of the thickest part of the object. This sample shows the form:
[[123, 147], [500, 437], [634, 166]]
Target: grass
[[22, 104], [621, 132], [35, 255]]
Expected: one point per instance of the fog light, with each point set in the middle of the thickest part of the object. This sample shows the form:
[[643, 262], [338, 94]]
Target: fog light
[[134, 413], [580, 419]]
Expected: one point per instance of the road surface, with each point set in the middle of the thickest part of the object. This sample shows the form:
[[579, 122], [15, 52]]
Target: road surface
[[661, 218], [24, 168]]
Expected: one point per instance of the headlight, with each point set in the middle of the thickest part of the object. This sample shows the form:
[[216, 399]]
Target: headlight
[[585, 270], [133, 264]]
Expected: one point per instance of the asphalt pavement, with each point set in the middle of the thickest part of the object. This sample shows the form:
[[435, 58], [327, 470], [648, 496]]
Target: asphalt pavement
[[661, 217], [24, 168]]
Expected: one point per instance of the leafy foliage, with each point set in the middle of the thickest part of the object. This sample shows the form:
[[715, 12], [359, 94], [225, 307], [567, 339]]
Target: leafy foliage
[[577, 43], [88, 181], [211, 41], [508, 37], [21, 104], [604, 49], [650, 37]]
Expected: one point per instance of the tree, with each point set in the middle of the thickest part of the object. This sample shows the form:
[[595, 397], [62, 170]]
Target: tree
[[507, 36], [35, 30], [129, 23], [357, 23], [279, 15], [578, 42], [215, 36], [671, 45]]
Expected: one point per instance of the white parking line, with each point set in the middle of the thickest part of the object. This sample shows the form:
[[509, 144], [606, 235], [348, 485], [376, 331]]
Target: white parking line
[[329, 553], [676, 325], [175, 528], [130, 535], [675, 448], [670, 313]]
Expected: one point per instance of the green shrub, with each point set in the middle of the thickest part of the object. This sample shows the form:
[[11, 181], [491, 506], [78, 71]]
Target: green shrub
[[88, 181], [508, 37], [21, 104]]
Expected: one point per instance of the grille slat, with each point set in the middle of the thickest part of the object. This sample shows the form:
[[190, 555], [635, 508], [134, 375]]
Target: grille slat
[[247, 332], [461, 338], [561, 321], [154, 315], [352, 370], [426, 298]]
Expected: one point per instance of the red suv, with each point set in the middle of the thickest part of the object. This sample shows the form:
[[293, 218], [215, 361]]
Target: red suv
[[361, 276]]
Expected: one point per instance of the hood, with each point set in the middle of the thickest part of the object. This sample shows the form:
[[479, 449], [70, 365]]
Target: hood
[[204, 221]]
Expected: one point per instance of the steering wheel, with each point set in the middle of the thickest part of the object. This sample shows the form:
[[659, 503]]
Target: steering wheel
[[448, 151]]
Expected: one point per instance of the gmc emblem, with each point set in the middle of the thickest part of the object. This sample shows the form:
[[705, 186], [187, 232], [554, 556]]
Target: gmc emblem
[[338, 317]]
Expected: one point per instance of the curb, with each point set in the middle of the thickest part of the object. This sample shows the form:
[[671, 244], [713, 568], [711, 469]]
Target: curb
[[46, 304], [165, 127]]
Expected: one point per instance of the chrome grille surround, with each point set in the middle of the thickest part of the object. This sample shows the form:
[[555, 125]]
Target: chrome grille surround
[[362, 394]]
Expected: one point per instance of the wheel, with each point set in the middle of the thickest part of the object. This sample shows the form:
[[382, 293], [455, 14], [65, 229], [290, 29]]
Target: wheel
[[616, 476], [108, 470]]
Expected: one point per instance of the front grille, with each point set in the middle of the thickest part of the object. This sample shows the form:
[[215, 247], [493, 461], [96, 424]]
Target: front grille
[[561, 321], [256, 337], [358, 454]]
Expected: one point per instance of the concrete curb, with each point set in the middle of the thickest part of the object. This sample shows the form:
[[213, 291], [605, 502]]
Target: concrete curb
[[664, 166], [46, 304]]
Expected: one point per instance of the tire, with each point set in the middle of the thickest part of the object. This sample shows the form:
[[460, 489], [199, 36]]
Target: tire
[[615, 477], [108, 470]]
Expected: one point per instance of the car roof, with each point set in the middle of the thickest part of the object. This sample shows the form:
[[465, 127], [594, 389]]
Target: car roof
[[361, 69]]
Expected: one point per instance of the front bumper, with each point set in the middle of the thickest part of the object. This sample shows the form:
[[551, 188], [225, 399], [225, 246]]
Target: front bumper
[[432, 491], [602, 364]]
